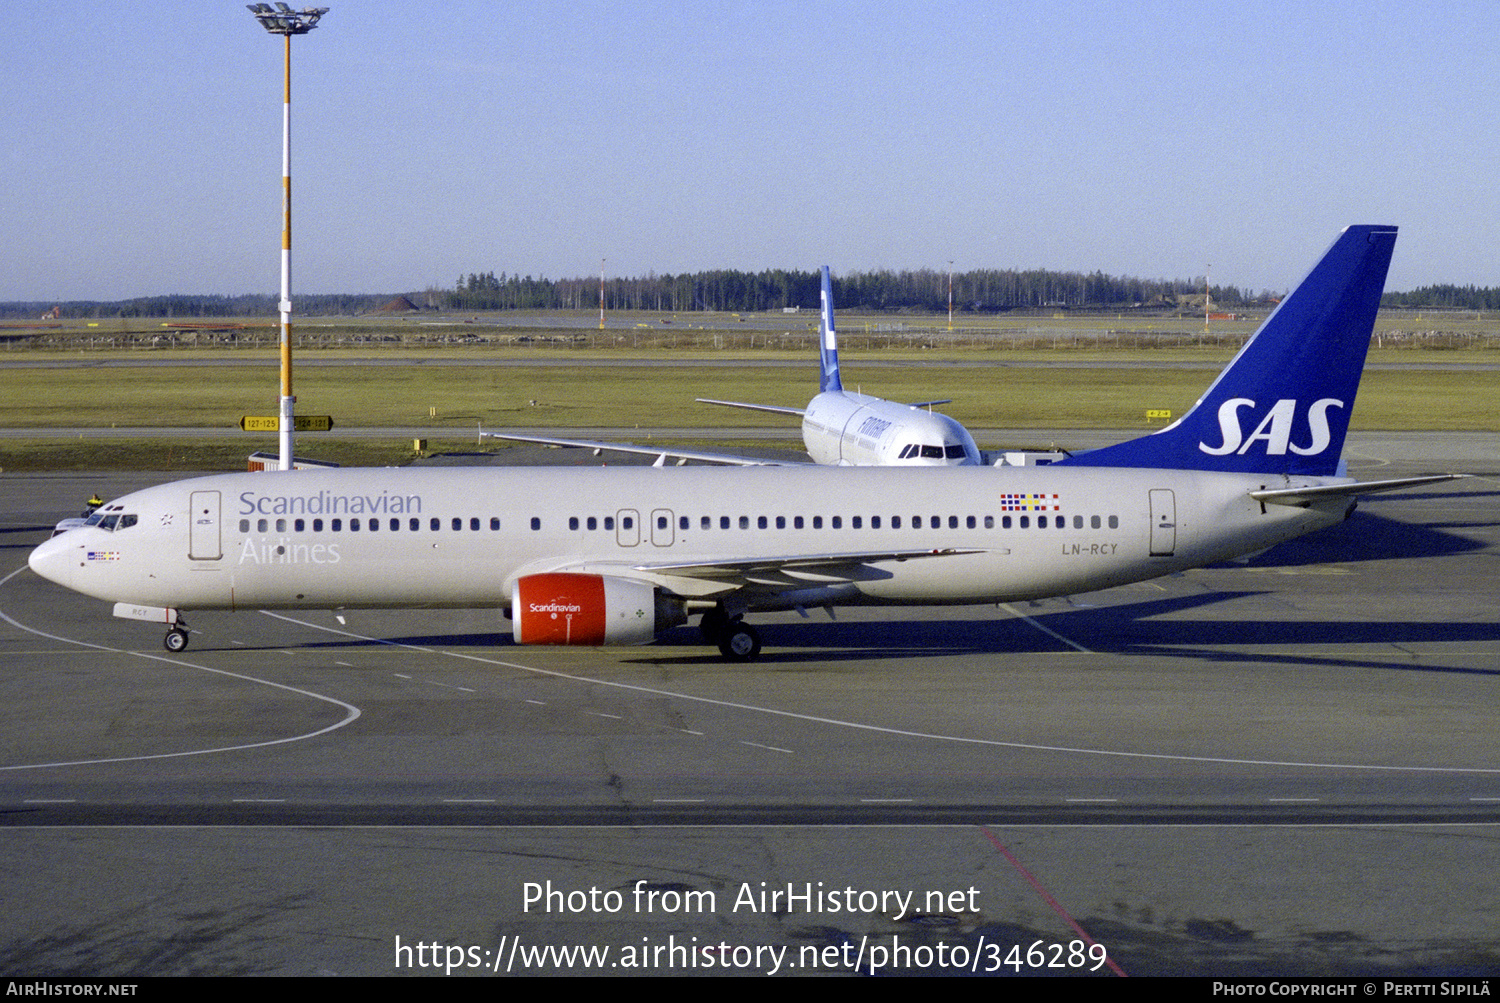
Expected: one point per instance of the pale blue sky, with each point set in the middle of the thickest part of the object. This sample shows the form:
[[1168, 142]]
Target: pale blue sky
[[144, 142]]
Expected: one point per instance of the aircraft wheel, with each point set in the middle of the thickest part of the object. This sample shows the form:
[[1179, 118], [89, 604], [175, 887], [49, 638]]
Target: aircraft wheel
[[740, 643], [713, 625], [176, 640]]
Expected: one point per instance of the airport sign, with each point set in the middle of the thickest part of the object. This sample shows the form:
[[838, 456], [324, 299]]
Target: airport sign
[[301, 423]]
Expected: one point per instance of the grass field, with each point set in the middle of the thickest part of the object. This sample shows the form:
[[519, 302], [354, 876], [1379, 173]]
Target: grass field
[[575, 390]]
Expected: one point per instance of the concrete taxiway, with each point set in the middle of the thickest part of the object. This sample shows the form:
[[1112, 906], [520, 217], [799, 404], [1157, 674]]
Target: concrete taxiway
[[1283, 767]]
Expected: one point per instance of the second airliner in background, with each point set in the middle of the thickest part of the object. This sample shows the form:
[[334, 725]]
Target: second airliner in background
[[841, 428]]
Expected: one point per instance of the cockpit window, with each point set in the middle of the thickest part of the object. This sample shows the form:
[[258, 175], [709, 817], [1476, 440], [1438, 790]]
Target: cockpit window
[[955, 452], [932, 452]]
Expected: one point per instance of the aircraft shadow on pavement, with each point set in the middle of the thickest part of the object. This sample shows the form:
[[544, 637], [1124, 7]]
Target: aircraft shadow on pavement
[[1152, 629], [1369, 536], [1139, 629]]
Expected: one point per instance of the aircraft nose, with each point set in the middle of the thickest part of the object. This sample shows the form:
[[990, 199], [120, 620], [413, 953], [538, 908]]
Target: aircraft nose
[[53, 560]]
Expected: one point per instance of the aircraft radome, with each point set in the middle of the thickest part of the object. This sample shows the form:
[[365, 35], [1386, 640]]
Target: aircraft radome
[[840, 427], [612, 555]]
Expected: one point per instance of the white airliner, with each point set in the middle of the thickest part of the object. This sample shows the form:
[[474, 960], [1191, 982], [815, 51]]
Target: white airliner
[[839, 427], [610, 555]]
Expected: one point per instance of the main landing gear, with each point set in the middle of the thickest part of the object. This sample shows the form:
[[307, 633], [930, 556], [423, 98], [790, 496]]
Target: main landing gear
[[737, 640], [177, 638]]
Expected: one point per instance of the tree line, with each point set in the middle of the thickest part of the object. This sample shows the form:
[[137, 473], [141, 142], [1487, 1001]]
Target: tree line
[[1445, 297], [732, 291], [922, 290]]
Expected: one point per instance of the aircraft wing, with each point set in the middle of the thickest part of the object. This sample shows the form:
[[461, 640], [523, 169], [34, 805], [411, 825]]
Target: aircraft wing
[[919, 404], [766, 574], [1308, 495], [801, 562], [795, 411], [662, 453]]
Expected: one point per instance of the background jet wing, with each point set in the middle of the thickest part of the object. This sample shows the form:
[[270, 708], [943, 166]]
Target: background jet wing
[[662, 453], [796, 411]]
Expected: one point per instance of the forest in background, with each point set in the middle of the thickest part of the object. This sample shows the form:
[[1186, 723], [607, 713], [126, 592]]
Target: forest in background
[[985, 291]]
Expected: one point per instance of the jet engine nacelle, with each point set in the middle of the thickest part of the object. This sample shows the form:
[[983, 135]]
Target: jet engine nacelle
[[589, 609]]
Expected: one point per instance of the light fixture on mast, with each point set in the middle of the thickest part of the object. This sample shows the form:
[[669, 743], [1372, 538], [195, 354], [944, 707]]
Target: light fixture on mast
[[282, 20]]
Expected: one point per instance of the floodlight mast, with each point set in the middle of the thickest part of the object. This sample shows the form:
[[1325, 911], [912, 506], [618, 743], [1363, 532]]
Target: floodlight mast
[[286, 22]]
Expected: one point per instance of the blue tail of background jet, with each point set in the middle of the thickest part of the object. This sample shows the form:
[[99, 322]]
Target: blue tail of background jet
[[828, 342], [1283, 405]]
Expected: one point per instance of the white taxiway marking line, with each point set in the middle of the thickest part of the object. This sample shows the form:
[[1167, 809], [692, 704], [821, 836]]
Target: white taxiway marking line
[[899, 732], [768, 748], [1092, 800], [1045, 630], [351, 712]]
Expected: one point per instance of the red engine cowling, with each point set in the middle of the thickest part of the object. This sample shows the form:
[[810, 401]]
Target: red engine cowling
[[589, 609]]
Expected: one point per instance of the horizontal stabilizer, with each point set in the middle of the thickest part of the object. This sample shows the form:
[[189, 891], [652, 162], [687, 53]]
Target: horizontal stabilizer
[[1305, 496]]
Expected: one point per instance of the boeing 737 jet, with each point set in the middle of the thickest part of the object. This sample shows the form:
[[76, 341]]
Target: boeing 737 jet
[[616, 555], [839, 427]]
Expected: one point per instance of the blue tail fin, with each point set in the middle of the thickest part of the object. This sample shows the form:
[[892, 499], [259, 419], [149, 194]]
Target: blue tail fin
[[1283, 405], [828, 342]]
